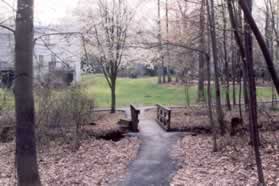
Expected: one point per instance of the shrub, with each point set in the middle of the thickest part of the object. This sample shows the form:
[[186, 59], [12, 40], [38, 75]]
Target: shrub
[[61, 114]]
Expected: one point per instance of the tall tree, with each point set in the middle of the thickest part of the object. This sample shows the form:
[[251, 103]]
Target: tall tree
[[252, 95], [26, 158], [161, 65], [107, 36], [220, 114], [201, 96], [226, 58], [268, 59], [246, 53], [167, 38]]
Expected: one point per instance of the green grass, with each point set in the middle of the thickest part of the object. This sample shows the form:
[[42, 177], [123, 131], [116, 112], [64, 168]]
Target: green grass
[[141, 92], [6, 99], [146, 92]]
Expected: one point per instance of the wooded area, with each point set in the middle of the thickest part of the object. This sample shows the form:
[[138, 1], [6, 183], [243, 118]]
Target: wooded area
[[225, 49]]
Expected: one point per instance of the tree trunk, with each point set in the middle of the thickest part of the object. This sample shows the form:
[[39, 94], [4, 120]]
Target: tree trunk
[[168, 50], [227, 73], [26, 156], [159, 71], [219, 110], [201, 97], [161, 58], [209, 100], [164, 71], [209, 95], [254, 133], [261, 42], [113, 94], [233, 72]]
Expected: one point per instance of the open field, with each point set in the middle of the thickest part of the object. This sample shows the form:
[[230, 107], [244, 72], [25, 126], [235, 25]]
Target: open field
[[141, 92], [146, 92]]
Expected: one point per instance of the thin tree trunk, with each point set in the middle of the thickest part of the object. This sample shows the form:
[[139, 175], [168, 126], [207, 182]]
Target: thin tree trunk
[[261, 42], [227, 74], [219, 110], [113, 95], [209, 100], [160, 65], [254, 133], [201, 96], [209, 95], [233, 71], [168, 49], [239, 99], [26, 156]]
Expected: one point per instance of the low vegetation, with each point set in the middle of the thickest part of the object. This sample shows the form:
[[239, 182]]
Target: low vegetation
[[76, 143]]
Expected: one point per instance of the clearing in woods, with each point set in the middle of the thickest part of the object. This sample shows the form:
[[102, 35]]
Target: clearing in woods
[[146, 91]]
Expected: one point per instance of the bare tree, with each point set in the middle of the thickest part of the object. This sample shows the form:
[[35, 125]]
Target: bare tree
[[220, 114], [226, 58], [201, 96], [252, 96], [167, 39], [261, 42], [107, 37], [26, 157], [160, 58]]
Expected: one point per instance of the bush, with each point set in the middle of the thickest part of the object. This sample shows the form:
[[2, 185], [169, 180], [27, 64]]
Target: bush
[[61, 114]]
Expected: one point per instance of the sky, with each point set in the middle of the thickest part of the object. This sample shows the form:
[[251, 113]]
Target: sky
[[46, 11], [54, 11]]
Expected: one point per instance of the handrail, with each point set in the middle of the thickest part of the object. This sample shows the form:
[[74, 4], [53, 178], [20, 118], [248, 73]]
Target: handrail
[[134, 118], [164, 117]]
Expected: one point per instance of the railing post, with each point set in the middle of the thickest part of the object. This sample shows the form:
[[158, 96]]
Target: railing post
[[134, 118], [169, 119]]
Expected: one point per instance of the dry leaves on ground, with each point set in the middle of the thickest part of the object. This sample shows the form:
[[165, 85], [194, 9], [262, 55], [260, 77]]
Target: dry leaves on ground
[[97, 162], [104, 122], [233, 165], [195, 118]]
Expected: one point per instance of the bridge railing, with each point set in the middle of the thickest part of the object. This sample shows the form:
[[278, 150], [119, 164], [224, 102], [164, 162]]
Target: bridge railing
[[164, 117], [134, 118]]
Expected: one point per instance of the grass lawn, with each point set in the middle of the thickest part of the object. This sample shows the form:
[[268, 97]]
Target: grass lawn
[[141, 92], [145, 92]]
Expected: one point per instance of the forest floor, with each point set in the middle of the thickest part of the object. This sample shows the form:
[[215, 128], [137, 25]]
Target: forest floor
[[234, 162], [156, 157], [97, 162]]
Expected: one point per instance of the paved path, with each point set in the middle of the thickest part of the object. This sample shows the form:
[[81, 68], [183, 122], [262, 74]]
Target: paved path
[[153, 165]]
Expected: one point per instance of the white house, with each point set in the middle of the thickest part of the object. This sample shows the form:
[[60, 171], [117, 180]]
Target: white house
[[54, 49]]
